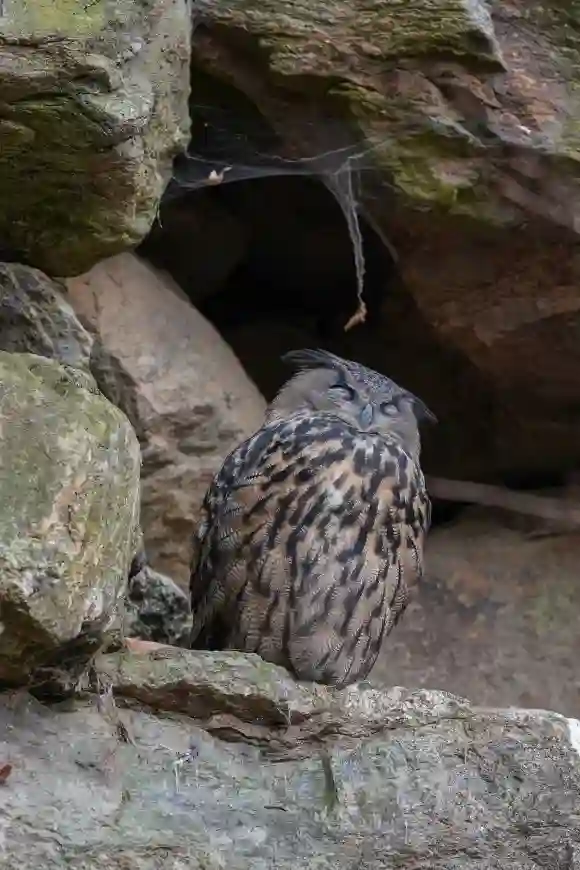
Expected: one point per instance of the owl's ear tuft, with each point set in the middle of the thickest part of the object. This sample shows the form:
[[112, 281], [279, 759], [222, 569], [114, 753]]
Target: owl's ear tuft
[[305, 359], [422, 412]]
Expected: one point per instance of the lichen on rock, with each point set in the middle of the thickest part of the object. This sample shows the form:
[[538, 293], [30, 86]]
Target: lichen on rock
[[94, 109], [69, 490], [387, 100]]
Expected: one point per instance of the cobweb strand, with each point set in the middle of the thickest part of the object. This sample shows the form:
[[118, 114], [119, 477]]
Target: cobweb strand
[[229, 155]]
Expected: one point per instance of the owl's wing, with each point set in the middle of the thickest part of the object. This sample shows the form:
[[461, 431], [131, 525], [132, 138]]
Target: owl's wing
[[403, 532], [218, 572]]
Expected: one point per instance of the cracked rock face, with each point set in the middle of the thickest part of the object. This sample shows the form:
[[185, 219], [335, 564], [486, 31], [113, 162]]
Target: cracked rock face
[[254, 771], [94, 104]]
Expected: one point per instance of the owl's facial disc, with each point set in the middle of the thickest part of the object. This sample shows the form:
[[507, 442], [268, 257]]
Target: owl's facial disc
[[363, 395]]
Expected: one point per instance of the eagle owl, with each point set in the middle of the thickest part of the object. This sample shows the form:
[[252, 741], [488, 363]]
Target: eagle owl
[[312, 531]]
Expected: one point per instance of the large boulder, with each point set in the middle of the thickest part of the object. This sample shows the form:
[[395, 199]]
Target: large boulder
[[69, 509], [94, 108], [465, 118], [181, 386], [250, 770]]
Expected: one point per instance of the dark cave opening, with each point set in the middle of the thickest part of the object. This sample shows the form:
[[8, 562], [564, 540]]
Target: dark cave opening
[[292, 277], [269, 262]]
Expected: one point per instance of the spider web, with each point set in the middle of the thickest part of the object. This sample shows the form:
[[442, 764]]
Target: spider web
[[230, 144]]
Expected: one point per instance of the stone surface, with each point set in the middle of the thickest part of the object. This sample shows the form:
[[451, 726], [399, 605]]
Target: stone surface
[[496, 617], [205, 685], [180, 385], [156, 609], [94, 104], [382, 779], [69, 496], [466, 118], [36, 318]]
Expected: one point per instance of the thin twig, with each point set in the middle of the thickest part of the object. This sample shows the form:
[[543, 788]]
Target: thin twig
[[562, 510]]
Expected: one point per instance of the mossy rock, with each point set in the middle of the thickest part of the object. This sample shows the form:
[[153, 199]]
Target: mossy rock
[[94, 108], [435, 97], [69, 496]]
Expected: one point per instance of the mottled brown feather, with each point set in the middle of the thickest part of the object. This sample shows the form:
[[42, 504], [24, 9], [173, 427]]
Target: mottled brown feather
[[311, 537]]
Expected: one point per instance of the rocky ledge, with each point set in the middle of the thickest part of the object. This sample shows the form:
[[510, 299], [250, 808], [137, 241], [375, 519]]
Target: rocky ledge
[[181, 759]]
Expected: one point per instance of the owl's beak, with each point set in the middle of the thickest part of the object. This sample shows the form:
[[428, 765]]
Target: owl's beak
[[366, 416]]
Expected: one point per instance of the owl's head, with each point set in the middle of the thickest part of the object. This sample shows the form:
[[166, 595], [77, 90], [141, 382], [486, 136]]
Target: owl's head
[[362, 397]]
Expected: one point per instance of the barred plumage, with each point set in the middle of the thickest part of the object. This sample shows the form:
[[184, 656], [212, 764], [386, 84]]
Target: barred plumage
[[312, 531]]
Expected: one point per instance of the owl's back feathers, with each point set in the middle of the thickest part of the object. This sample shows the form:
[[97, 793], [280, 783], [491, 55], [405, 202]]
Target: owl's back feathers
[[311, 535]]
